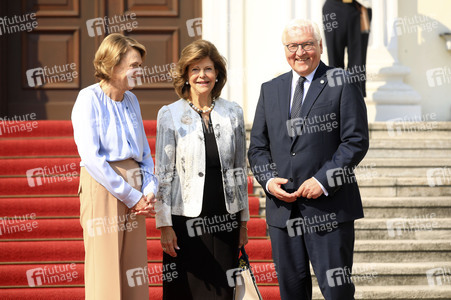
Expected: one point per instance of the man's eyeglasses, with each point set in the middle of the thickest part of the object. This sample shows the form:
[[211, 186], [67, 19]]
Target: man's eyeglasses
[[293, 47]]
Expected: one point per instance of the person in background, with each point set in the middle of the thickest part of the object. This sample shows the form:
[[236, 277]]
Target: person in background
[[117, 185], [202, 205], [347, 25]]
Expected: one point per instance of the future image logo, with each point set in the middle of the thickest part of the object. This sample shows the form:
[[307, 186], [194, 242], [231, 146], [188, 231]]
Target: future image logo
[[438, 176], [51, 275], [236, 177], [58, 73], [234, 277], [212, 224], [134, 77], [35, 77], [338, 276], [340, 176], [194, 27], [438, 76], [114, 24], [137, 277], [438, 276]]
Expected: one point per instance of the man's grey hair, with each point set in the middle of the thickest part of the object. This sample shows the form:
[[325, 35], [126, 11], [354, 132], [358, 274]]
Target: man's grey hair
[[300, 25]]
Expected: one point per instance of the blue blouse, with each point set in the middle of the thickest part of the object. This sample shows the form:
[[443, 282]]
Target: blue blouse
[[105, 131]]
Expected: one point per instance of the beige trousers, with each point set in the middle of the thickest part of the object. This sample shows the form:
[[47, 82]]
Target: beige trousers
[[114, 239]]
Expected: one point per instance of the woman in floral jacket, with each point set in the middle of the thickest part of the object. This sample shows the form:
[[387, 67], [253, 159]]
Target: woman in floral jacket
[[202, 205]]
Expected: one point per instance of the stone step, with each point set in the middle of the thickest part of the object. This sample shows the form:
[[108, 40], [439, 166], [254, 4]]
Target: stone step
[[423, 292], [409, 130], [395, 207], [404, 167], [408, 153], [418, 227], [388, 251], [384, 162], [384, 127], [405, 191], [372, 185], [397, 274], [368, 172], [424, 144], [437, 125], [406, 186], [434, 171], [409, 134], [390, 207]]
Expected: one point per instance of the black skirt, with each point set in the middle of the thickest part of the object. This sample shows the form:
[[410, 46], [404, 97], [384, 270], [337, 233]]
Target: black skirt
[[208, 243]]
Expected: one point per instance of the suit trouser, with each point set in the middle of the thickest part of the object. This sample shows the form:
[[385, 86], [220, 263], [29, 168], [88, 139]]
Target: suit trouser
[[115, 241], [347, 34], [331, 255]]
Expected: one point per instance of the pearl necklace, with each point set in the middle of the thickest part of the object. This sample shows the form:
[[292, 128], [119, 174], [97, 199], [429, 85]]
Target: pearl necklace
[[200, 110]]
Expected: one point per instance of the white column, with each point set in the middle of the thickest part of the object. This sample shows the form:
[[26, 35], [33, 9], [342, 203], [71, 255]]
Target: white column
[[248, 34], [223, 25], [388, 97]]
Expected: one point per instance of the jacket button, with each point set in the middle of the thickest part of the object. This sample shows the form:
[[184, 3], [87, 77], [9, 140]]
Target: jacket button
[[293, 153], [201, 174], [291, 179]]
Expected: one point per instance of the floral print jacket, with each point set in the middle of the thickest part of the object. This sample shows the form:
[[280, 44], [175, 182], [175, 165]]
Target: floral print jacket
[[180, 159]]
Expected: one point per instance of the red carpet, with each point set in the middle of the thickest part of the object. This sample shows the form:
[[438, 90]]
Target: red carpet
[[63, 206], [14, 277], [76, 293], [45, 232]]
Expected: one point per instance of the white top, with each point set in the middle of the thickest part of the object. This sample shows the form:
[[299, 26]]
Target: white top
[[106, 130], [366, 3]]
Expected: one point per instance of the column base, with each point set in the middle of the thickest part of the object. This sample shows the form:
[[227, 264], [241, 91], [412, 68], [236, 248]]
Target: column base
[[385, 112]]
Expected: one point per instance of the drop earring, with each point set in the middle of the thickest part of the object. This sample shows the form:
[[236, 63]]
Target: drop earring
[[216, 80], [187, 83]]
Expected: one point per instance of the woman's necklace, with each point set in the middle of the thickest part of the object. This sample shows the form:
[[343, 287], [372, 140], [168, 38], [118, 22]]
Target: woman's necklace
[[201, 110]]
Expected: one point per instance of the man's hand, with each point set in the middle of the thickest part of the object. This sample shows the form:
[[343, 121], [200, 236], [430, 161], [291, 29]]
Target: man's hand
[[275, 189], [309, 189]]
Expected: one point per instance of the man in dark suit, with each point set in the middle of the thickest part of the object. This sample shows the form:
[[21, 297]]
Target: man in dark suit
[[309, 133]]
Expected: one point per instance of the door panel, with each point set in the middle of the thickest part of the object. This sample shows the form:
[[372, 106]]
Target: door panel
[[47, 66]]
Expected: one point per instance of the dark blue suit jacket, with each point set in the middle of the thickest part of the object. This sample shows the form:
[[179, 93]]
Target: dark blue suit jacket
[[328, 140]]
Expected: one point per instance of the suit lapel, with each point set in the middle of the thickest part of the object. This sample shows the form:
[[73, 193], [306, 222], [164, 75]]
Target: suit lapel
[[318, 83], [283, 94]]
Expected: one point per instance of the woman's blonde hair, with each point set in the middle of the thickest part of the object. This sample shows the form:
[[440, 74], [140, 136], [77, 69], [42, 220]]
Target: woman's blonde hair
[[110, 53], [196, 51]]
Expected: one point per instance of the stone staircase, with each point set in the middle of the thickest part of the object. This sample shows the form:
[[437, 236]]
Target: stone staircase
[[403, 245]]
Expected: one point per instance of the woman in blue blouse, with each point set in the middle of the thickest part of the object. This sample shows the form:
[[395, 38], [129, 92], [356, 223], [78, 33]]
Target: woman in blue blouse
[[117, 185]]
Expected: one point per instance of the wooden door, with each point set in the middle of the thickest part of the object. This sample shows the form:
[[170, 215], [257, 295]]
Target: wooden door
[[43, 69]]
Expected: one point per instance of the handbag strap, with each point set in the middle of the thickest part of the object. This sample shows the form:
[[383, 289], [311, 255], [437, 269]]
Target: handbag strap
[[244, 256], [243, 252]]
